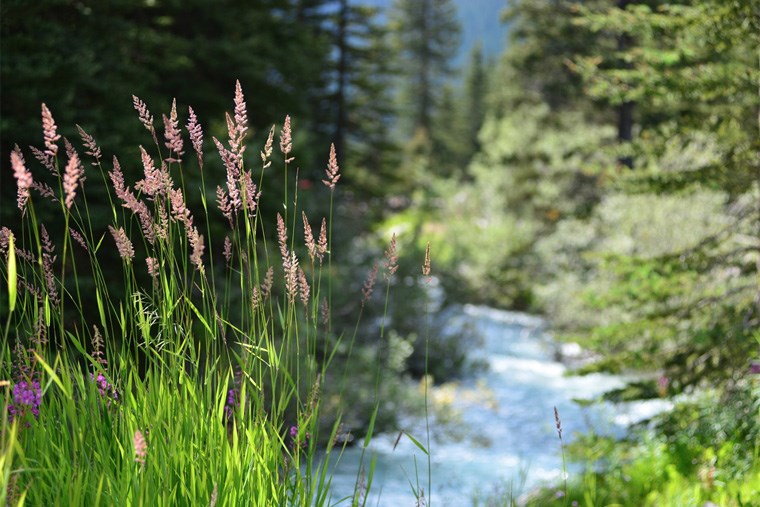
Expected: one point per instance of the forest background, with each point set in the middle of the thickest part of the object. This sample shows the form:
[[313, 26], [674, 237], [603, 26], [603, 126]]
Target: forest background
[[601, 170]]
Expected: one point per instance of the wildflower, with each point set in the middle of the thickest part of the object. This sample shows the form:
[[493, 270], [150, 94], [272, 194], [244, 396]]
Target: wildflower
[[23, 177], [754, 368], [140, 446], [27, 398], [105, 388], [295, 442], [229, 407], [333, 171]]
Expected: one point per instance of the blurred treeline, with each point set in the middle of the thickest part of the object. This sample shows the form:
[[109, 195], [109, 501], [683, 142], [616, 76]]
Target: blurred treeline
[[615, 190]]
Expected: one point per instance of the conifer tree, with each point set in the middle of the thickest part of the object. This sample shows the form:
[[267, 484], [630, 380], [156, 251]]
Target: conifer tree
[[426, 37]]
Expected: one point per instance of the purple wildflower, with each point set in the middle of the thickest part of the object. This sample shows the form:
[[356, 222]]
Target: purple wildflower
[[105, 388], [231, 405], [754, 368], [295, 442], [27, 397]]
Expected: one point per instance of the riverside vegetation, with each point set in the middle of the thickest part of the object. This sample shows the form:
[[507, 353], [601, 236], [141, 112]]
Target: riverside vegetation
[[208, 374]]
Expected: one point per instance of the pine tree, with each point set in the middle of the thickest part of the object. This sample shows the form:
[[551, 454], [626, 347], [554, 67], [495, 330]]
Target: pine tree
[[363, 112], [426, 36]]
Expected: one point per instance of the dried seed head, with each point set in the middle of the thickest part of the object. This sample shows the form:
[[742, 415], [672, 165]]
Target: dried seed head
[[267, 152], [196, 243], [369, 284], [123, 244], [145, 117], [140, 446], [173, 135], [311, 245], [227, 249], [72, 175], [153, 266], [333, 171], [76, 236], [266, 285], [23, 177], [426, 264], [282, 239], [241, 116], [196, 135], [322, 245], [49, 131], [90, 144], [286, 141], [303, 287], [391, 262]]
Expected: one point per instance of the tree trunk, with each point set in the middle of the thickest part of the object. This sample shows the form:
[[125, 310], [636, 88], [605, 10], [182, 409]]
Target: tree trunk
[[625, 110]]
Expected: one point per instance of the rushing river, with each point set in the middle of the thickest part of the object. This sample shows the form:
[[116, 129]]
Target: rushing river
[[507, 420]]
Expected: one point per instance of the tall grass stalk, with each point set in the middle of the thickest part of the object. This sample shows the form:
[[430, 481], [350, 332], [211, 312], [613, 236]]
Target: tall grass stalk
[[170, 377]]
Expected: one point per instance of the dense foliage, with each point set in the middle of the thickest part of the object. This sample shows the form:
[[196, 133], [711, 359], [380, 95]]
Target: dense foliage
[[617, 190]]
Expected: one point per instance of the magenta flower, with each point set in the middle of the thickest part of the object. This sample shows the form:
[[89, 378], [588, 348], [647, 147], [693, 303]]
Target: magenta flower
[[105, 388], [294, 441], [27, 398], [229, 407]]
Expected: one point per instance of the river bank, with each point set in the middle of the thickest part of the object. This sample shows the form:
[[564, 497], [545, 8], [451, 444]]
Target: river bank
[[495, 428]]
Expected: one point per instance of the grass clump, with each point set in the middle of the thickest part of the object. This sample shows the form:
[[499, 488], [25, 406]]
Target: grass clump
[[168, 359]]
